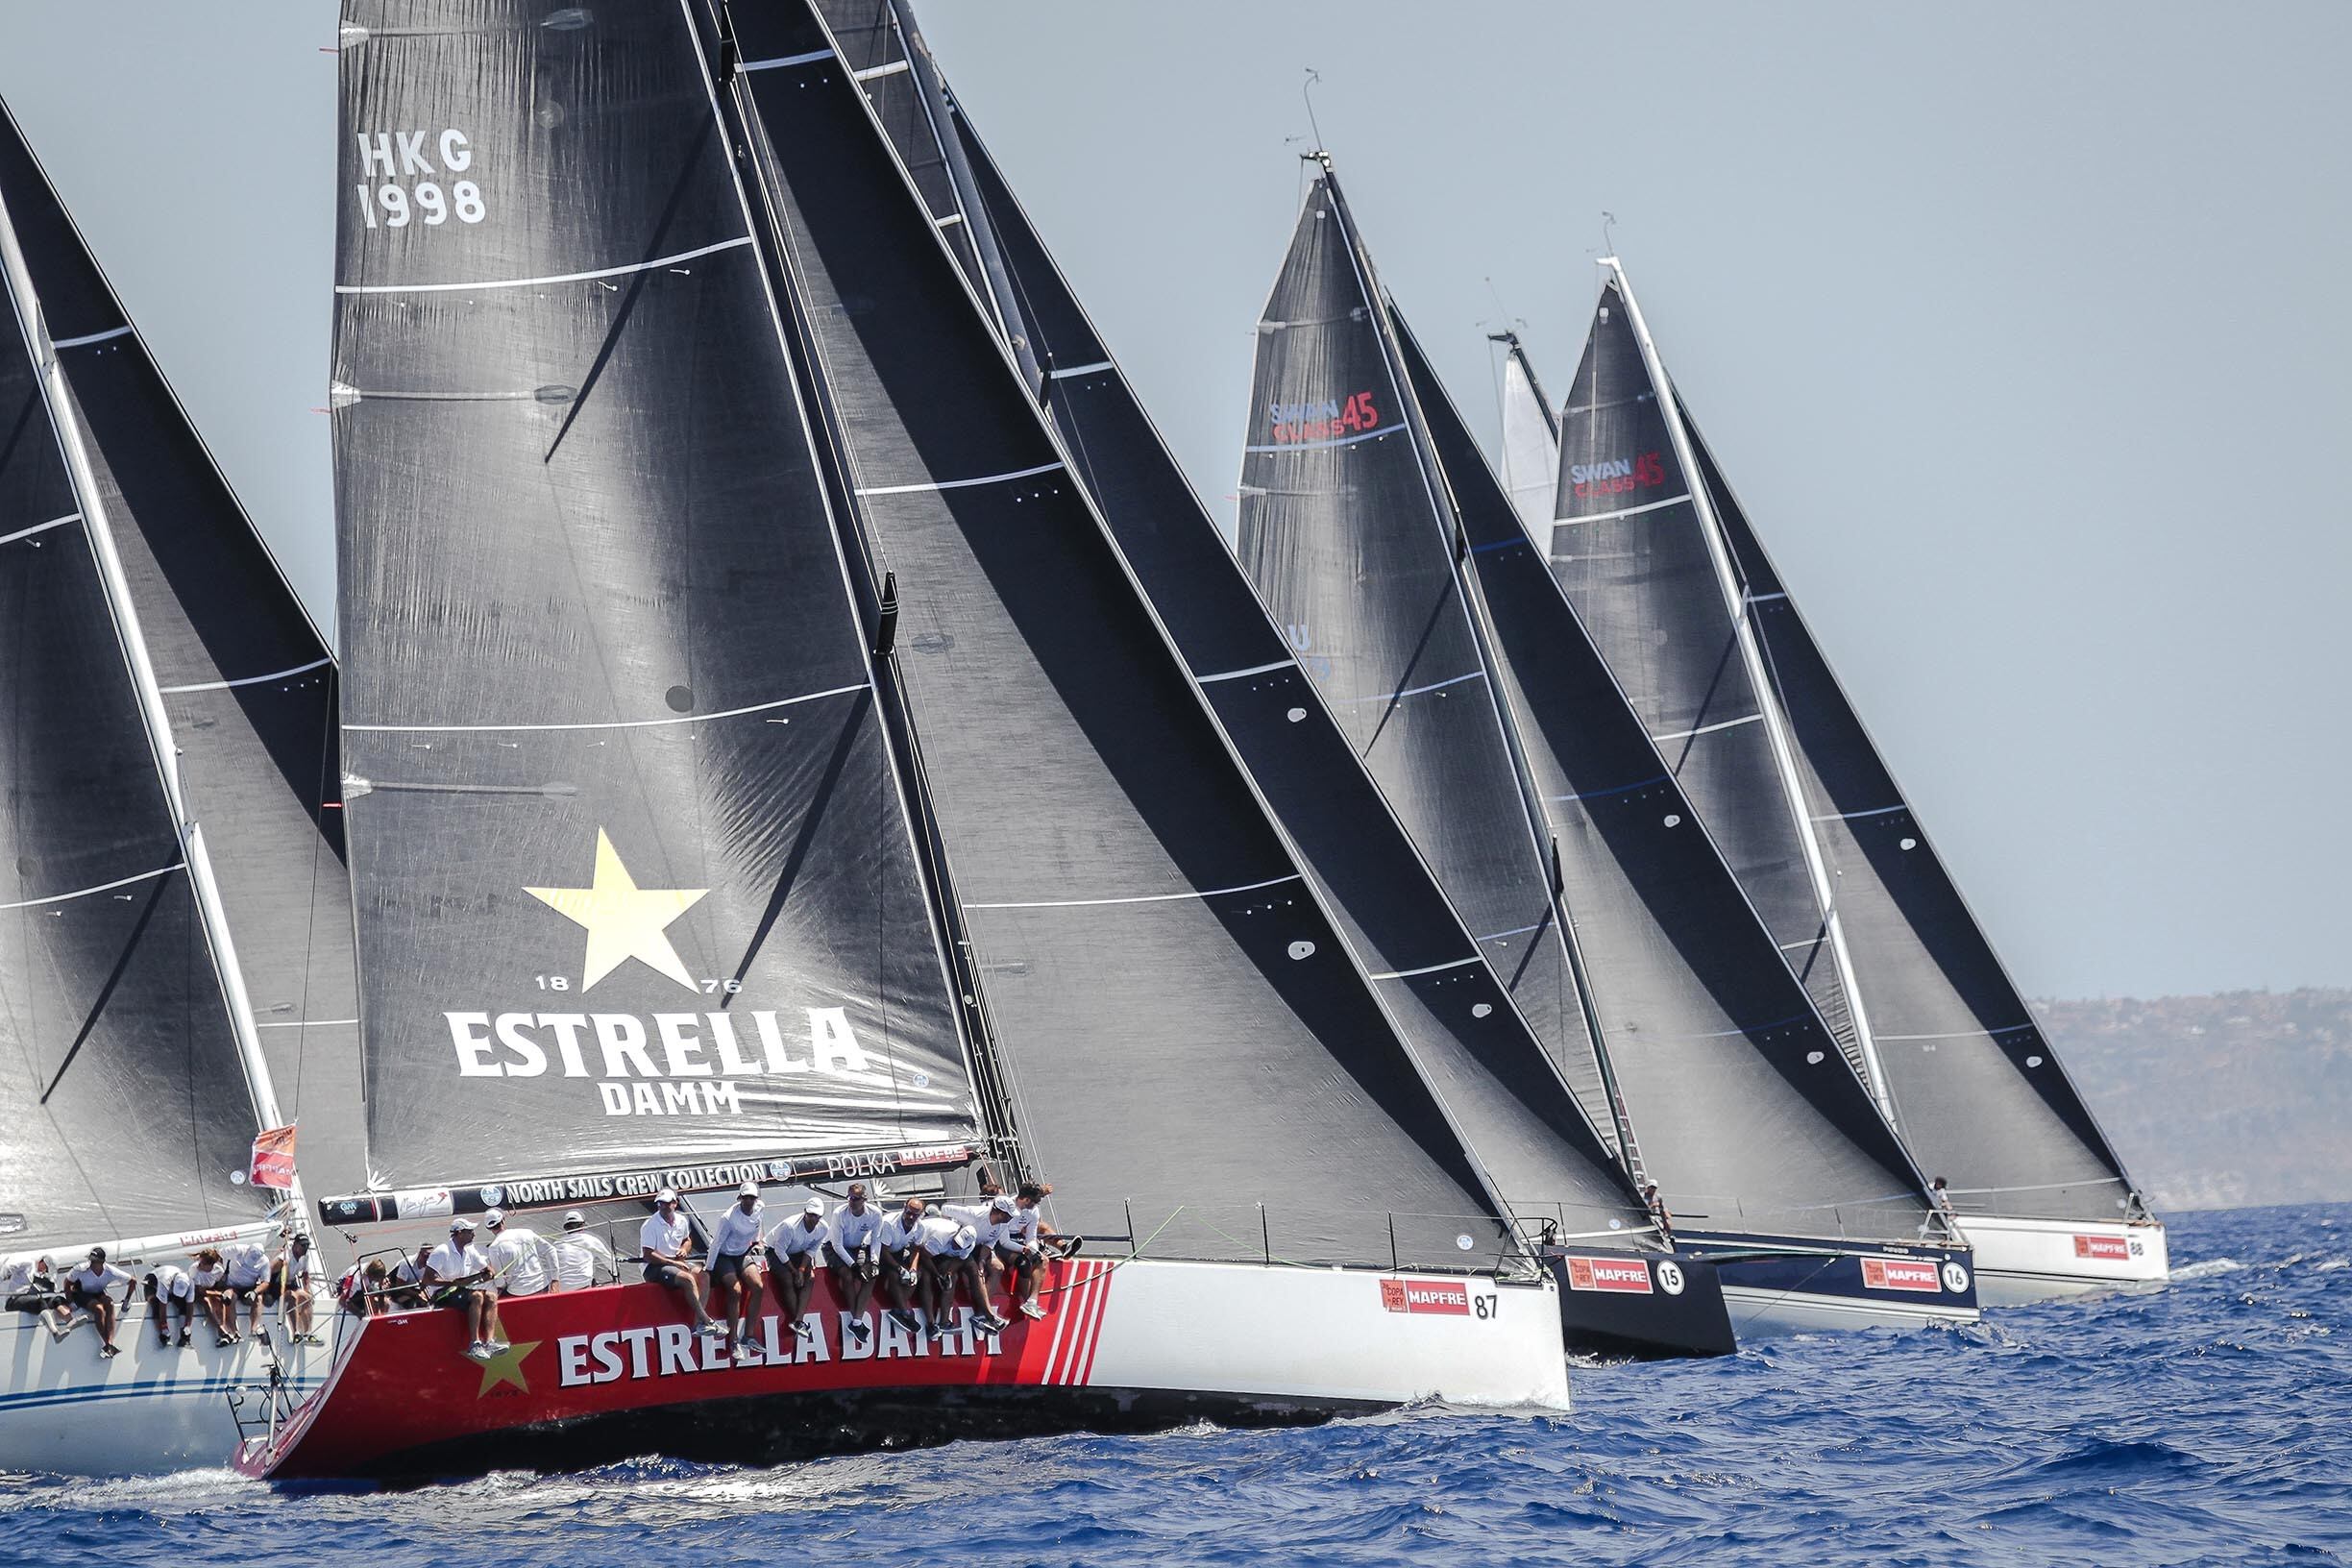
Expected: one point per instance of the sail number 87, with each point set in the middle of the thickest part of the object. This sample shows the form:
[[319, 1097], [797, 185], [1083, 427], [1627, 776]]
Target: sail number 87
[[428, 204]]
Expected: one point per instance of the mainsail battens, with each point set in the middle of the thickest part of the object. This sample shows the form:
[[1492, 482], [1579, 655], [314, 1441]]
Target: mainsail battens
[[615, 723], [1620, 513], [597, 935], [929, 485], [1144, 899], [40, 527], [247, 680], [102, 887], [485, 286]]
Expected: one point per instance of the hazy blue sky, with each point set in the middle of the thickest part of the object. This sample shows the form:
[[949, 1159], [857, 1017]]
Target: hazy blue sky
[[2022, 331]]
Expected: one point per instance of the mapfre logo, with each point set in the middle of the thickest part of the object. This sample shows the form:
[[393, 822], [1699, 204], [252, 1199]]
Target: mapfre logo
[[665, 1064], [1900, 1274], [1625, 1276], [1440, 1296], [2106, 1248]]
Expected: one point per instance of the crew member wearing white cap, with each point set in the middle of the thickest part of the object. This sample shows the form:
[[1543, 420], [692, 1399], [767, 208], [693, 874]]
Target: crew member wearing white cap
[[849, 1256], [735, 1262], [458, 1275], [951, 1257], [794, 1246], [901, 1241], [665, 1243], [580, 1253], [522, 1262], [92, 1287]]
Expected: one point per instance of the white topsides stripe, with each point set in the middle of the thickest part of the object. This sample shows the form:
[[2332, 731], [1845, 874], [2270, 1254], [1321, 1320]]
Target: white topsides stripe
[[249, 681], [102, 887], [1628, 511], [955, 484], [40, 527], [609, 724], [107, 336], [1147, 898], [1707, 730], [553, 277]]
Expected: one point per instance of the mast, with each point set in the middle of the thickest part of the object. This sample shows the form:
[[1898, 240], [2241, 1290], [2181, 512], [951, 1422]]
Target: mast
[[213, 920], [1752, 655]]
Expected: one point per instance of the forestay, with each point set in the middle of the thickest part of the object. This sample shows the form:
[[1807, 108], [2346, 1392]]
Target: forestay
[[246, 679], [1345, 534], [1976, 1089], [635, 880], [1188, 1035], [1747, 1117], [125, 1109]]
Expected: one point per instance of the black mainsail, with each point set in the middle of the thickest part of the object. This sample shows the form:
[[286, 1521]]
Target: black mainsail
[[246, 679], [635, 878], [1342, 534], [1749, 1118], [1973, 1081], [131, 1090], [1529, 1135], [1187, 1032], [1634, 554]]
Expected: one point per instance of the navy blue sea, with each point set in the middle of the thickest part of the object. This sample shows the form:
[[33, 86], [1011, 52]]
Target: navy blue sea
[[2210, 1422]]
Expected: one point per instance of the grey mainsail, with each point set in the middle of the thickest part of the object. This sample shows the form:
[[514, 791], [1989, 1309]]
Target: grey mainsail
[[1747, 1117], [1343, 536], [247, 680], [1531, 437], [635, 878], [1188, 1033], [1975, 1085], [124, 1087]]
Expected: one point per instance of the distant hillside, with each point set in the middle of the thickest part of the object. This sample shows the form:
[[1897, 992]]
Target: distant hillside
[[2220, 1101]]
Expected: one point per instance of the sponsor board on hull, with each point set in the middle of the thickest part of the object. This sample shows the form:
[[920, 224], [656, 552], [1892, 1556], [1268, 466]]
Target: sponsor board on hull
[[1902, 1274], [1629, 1276], [2111, 1247]]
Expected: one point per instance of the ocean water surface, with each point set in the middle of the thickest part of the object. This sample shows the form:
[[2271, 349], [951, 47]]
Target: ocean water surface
[[2209, 1422]]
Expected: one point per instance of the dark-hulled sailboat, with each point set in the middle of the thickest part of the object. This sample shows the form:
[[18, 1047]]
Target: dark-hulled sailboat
[[1536, 1151], [170, 886], [1687, 608], [795, 670], [1367, 532]]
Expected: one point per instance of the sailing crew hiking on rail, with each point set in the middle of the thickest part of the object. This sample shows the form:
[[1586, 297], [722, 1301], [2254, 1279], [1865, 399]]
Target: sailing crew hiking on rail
[[457, 1274]]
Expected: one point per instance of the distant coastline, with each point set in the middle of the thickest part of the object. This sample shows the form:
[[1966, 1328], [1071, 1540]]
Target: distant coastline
[[2226, 1101]]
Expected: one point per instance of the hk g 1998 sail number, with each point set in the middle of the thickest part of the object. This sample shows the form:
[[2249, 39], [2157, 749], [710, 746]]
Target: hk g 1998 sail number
[[405, 179]]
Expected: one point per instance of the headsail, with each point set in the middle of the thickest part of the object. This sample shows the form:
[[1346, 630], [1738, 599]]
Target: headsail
[[1528, 1134], [1747, 1117], [635, 879], [1631, 551], [126, 1107], [1975, 1087], [1530, 439], [1187, 1036], [1342, 531], [247, 680]]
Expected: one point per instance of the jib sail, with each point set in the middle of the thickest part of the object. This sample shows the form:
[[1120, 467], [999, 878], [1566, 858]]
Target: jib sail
[[247, 680], [636, 883], [1188, 1035]]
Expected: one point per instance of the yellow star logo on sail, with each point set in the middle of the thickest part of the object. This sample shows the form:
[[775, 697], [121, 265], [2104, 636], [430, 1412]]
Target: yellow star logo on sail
[[507, 1367], [624, 920]]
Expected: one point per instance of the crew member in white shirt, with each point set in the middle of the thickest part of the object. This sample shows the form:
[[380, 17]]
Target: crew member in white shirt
[[247, 1275], [951, 1257], [736, 1267], [901, 1241], [408, 1292], [522, 1262], [211, 1277], [92, 1287], [849, 1258], [794, 1246], [29, 1285], [1020, 1248], [301, 1282], [580, 1255], [458, 1273], [665, 1242], [168, 1290]]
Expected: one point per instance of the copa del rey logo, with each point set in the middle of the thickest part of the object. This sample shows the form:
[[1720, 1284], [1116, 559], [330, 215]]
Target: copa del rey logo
[[666, 1064]]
